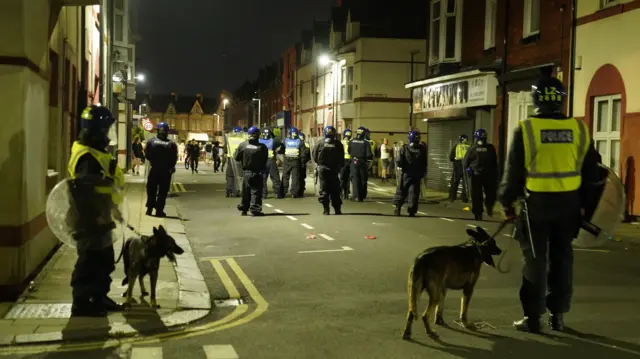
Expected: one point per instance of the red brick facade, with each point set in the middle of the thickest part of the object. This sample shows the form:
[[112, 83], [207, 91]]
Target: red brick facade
[[290, 62]]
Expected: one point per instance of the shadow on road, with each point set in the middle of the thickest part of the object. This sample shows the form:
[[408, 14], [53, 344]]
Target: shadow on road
[[76, 331], [144, 319], [284, 214]]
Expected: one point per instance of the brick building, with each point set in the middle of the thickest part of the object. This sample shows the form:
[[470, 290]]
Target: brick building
[[269, 91], [290, 61]]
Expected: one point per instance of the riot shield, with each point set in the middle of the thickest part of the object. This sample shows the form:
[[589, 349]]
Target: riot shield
[[396, 157], [236, 169], [312, 166], [604, 212]]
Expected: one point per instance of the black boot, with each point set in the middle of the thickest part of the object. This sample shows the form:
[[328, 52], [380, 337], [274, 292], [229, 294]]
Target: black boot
[[244, 213], [160, 213], [82, 307], [397, 211], [149, 211], [326, 209], [337, 210], [478, 217], [526, 324], [556, 322], [412, 214]]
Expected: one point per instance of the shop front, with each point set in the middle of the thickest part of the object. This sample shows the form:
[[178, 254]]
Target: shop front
[[451, 106]]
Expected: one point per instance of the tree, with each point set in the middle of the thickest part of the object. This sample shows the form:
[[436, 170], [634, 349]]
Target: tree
[[137, 132]]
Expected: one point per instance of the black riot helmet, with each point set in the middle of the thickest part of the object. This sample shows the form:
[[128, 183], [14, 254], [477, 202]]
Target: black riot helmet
[[95, 122], [267, 134], [548, 96]]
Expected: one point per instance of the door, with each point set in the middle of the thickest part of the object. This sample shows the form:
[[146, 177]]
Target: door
[[606, 129], [520, 108], [442, 136]]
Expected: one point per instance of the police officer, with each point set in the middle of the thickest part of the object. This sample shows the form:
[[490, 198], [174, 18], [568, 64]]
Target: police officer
[[294, 150], [273, 145], [360, 151], [481, 163], [162, 153], [252, 157], [234, 139], [345, 172], [551, 155], [373, 165], [303, 169], [329, 155], [412, 159], [194, 155], [95, 182], [456, 156]]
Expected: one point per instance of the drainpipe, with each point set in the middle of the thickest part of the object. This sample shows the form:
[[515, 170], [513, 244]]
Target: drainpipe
[[572, 59], [503, 120], [82, 91]]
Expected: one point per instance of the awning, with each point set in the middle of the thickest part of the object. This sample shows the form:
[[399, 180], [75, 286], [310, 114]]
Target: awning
[[197, 136]]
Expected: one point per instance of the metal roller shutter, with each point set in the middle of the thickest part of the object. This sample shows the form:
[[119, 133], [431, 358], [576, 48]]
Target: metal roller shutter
[[442, 135]]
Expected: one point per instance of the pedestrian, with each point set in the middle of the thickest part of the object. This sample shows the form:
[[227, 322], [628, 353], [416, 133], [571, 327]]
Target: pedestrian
[[95, 186], [137, 156], [187, 150], [385, 157], [162, 153], [456, 156], [306, 154], [222, 153], [273, 145], [194, 155], [360, 151], [481, 164], [329, 156], [209, 154], [215, 151], [234, 139], [412, 160], [551, 156], [252, 157], [294, 153], [345, 172]]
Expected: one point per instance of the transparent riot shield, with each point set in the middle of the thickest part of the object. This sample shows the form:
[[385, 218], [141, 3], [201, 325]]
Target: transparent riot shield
[[236, 168], [312, 166], [396, 158]]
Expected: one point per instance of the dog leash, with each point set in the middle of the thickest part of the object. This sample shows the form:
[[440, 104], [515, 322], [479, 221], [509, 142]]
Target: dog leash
[[498, 266]]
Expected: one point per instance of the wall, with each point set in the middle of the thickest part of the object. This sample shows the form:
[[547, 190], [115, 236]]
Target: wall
[[304, 96]]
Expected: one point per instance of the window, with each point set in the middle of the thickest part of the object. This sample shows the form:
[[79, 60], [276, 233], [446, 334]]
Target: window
[[490, 24], [346, 84], [520, 108], [119, 28], [606, 129], [120, 22], [531, 18], [446, 24], [607, 3]]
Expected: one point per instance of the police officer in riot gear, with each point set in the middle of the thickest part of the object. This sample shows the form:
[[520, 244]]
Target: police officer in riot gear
[[481, 164], [550, 157], [95, 182], [252, 157], [303, 168], [233, 140], [274, 146], [456, 156], [360, 151], [329, 155], [345, 172], [412, 159], [162, 153], [294, 152]]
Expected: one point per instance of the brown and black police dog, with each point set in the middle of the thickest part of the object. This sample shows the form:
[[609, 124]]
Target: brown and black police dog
[[142, 256], [448, 267]]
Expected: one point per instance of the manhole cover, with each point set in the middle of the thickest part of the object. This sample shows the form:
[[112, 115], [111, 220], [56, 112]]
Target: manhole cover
[[39, 311], [225, 303]]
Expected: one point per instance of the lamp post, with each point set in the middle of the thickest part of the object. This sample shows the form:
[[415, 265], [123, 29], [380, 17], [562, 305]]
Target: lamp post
[[225, 102], [325, 60], [217, 124], [259, 111]]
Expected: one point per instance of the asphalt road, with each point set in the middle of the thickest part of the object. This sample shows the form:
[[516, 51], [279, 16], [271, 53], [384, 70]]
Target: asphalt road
[[349, 299]]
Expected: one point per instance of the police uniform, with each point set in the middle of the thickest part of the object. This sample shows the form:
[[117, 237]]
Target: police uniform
[[306, 154], [162, 153], [194, 155], [412, 159], [345, 172], [373, 163], [329, 155], [294, 152], [456, 156], [481, 163], [252, 157], [273, 145], [233, 140], [360, 151], [95, 185], [551, 155]]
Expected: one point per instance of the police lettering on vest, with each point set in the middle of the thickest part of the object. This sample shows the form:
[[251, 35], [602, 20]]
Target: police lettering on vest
[[461, 151], [345, 144], [105, 160], [554, 153], [292, 148]]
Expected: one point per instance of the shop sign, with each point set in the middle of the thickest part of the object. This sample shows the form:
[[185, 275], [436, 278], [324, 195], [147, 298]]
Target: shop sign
[[473, 92]]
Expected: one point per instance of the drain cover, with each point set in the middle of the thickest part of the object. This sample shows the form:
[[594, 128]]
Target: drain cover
[[224, 303], [39, 311]]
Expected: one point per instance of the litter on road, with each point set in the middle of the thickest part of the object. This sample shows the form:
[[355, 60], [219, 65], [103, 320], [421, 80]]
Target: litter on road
[[370, 237], [311, 236]]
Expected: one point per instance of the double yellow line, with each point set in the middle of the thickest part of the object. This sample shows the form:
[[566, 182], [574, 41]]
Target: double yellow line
[[236, 318], [178, 187]]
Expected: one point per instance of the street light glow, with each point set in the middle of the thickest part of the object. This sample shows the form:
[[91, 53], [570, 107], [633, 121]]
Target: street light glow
[[140, 77], [225, 101], [324, 60]]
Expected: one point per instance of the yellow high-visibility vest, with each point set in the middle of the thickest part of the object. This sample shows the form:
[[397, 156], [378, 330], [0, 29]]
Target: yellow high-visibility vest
[[104, 159], [461, 151], [554, 153], [345, 144]]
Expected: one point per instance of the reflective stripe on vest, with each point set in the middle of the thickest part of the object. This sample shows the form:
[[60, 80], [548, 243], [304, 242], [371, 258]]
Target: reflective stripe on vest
[[104, 159], [234, 142], [554, 153], [306, 145], [345, 144], [461, 151]]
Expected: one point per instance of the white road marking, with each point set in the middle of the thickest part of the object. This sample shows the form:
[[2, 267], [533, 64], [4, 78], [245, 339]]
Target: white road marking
[[279, 210], [306, 226], [422, 213], [446, 219], [220, 352], [373, 184], [146, 353], [268, 205], [591, 250], [291, 218], [344, 249], [326, 237], [506, 235], [229, 256], [380, 202]]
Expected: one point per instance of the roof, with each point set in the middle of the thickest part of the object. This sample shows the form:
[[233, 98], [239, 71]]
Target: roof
[[182, 104]]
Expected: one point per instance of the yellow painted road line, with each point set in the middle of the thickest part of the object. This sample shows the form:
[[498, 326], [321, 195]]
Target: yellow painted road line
[[226, 280], [234, 319], [182, 187]]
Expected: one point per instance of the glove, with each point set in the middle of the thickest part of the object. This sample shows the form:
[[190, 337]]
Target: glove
[[509, 213], [469, 172], [173, 170]]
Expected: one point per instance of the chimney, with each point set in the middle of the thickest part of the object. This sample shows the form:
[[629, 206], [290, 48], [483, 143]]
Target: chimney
[[199, 96], [175, 96]]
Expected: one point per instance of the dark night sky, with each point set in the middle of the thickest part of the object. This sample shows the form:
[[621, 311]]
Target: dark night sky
[[183, 42]]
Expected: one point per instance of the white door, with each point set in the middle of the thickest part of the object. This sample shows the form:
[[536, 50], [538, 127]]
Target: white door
[[606, 129], [520, 108]]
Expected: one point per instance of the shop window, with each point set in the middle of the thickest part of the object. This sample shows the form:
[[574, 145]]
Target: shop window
[[608, 3], [490, 24], [531, 18], [606, 129], [445, 27]]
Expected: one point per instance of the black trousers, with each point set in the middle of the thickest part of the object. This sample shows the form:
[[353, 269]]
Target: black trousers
[[345, 178], [408, 188], [193, 162], [272, 172], [157, 188], [483, 188], [216, 163], [456, 177], [329, 188], [303, 180], [291, 173], [552, 288], [91, 277], [359, 178], [252, 186]]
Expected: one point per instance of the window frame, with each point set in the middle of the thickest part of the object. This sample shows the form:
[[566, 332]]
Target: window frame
[[442, 36], [608, 136], [490, 22], [125, 23], [528, 15], [605, 4]]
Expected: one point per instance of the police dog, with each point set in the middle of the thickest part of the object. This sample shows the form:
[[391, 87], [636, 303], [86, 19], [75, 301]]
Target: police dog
[[142, 256], [448, 267]]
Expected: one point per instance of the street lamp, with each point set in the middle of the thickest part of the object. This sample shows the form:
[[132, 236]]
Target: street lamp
[[324, 60], [140, 77], [225, 102], [259, 109]]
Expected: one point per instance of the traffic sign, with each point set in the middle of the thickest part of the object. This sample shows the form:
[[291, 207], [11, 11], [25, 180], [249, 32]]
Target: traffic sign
[[147, 124]]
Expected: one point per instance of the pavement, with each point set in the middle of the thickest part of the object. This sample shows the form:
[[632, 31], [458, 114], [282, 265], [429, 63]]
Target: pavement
[[297, 284]]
